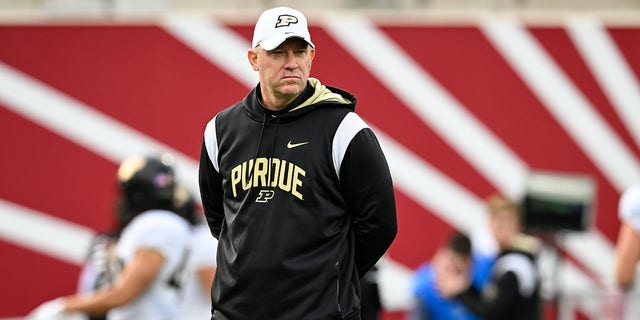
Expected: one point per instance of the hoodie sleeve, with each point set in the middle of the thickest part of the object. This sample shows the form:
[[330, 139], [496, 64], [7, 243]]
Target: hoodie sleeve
[[211, 181], [368, 190]]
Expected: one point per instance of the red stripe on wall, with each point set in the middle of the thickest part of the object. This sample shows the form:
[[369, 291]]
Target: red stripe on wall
[[30, 279], [139, 75], [48, 173], [465, 63], [420, 233], [560, 47], [627, 40]]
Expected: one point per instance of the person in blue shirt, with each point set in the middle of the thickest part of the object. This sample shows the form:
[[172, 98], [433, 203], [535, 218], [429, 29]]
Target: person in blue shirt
[[455, 256]]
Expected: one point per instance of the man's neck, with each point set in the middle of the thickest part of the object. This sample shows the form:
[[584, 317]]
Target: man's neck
[[276, 104]]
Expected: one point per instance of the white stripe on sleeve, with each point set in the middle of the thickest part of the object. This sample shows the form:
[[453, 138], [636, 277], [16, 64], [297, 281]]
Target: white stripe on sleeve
[[629, 207], [522, 268], [211, 142], [348, 128]]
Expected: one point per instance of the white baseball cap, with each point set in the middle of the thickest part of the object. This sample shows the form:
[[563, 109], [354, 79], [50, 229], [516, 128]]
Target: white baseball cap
[[279, 24]]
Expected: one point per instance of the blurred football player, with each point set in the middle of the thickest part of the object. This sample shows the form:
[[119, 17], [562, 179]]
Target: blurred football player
[[628, 244], [150, 251], [200, 264]]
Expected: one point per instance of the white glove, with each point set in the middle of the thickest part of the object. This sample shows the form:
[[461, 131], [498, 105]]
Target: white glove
[[51, 310]]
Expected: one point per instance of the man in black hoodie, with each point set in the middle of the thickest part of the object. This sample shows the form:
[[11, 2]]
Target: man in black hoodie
[[295, 187]]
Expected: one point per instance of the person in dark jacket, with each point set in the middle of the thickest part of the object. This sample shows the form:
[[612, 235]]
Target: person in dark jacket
[[295, 186], [514, 290]]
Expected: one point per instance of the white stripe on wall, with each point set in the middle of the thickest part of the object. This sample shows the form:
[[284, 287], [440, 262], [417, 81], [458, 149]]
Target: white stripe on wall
[[431, 102], [431, 189], [610, 69], [447, 116], [84, 125], [461, 209], [44, 233], [395, 283], [564, 101], [219, 45], [570, 108]]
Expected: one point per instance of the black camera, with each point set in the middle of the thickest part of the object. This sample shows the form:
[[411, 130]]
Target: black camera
[[555, 201]]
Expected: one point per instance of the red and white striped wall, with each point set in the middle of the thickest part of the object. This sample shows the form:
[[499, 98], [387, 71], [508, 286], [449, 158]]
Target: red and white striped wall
[[462, 110]]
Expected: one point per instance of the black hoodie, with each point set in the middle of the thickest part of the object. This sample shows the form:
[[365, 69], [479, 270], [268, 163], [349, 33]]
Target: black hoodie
[[302, 203], [514, 291]]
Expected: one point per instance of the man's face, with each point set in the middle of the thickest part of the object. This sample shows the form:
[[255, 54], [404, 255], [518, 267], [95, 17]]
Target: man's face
[[505, 227], [448, 261], [283, 71]]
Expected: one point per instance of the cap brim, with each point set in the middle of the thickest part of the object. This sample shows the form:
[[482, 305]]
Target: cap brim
[[277, 40]]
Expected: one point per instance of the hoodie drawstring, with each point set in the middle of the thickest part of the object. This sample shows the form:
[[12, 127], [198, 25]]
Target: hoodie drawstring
[[273, 148], [255, 156], [270, 155]]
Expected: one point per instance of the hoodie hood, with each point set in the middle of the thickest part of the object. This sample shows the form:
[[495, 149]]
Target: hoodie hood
[[321, 96], [323, 93]]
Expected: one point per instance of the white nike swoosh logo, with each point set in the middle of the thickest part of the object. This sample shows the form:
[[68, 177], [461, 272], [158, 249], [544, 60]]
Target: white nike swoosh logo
[[293, 145]]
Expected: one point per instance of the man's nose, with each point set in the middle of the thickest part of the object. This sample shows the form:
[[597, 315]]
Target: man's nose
[[291, 60]]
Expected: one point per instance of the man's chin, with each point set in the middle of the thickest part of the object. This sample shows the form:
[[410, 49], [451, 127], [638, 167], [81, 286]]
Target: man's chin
[[291, 89]]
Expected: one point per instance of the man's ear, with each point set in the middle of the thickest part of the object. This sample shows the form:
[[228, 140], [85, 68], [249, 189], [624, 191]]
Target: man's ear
[[312, 53], [252, 56]]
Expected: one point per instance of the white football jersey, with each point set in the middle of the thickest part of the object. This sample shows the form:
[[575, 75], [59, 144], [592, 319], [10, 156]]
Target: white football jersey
[[101, 265], [629, 207], [196, 303], [168, 233]]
